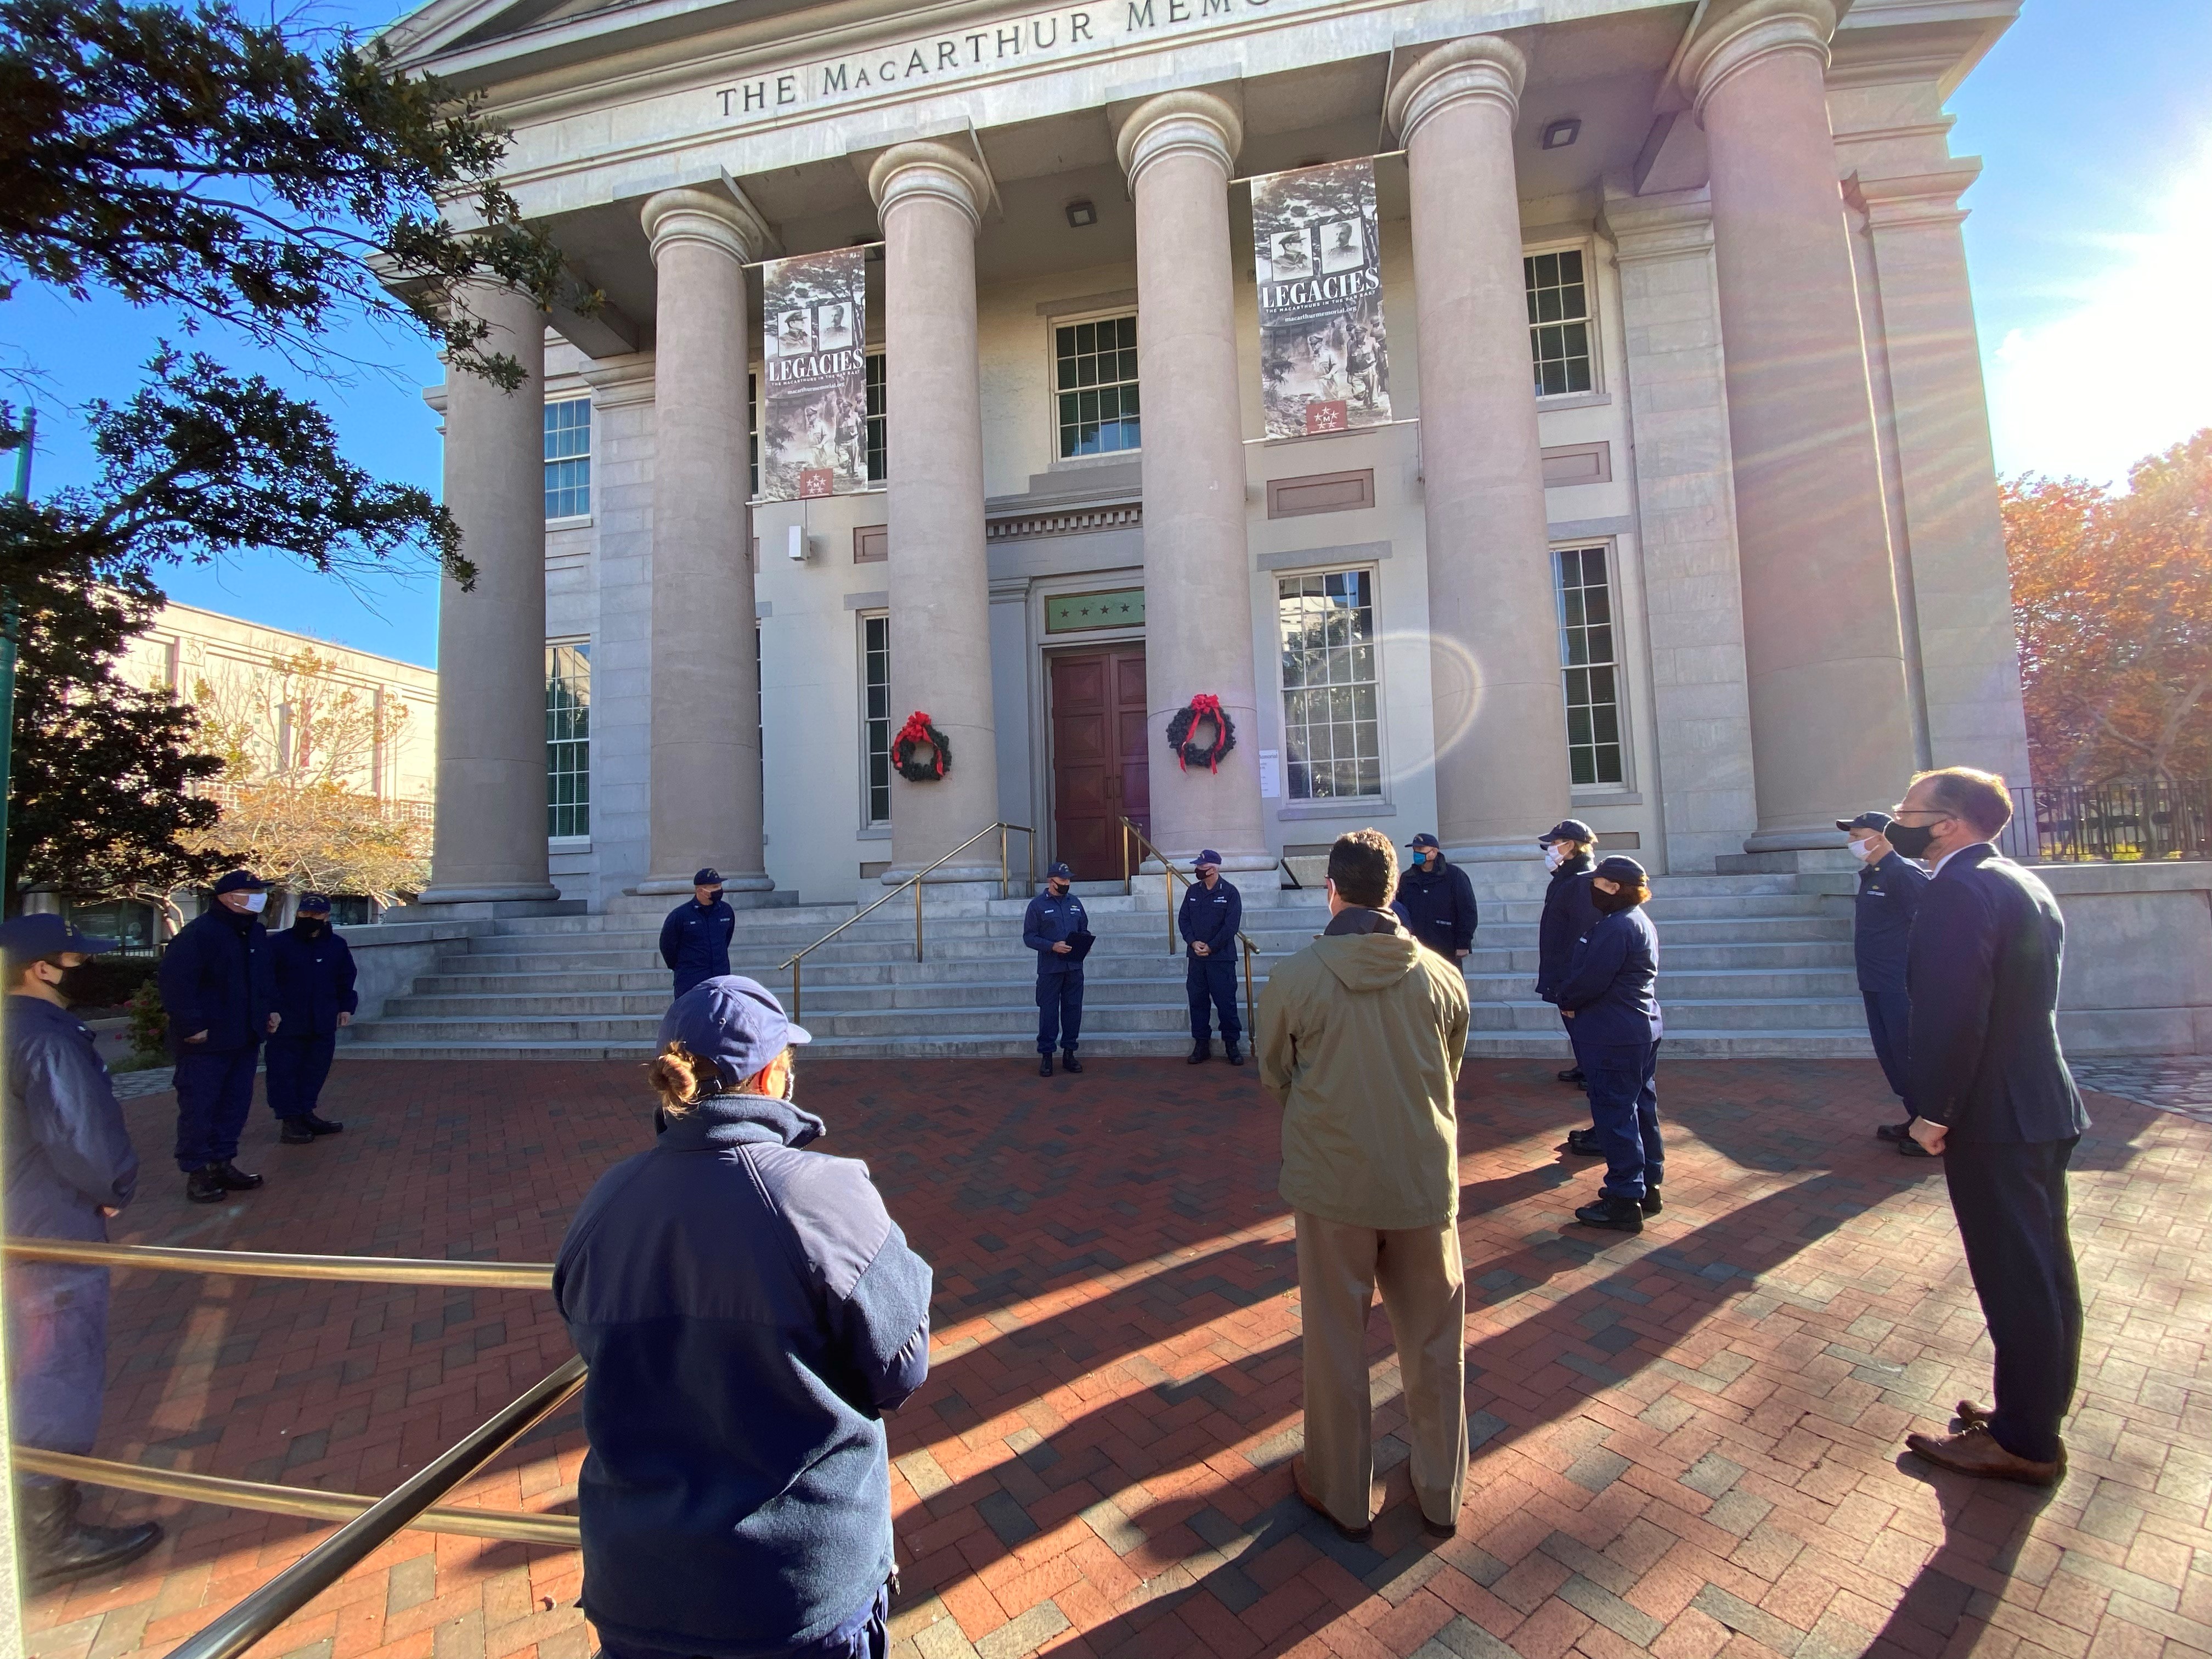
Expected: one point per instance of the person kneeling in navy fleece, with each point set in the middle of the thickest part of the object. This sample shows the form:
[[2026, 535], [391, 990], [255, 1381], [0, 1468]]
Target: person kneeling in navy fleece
[[749, 1311]]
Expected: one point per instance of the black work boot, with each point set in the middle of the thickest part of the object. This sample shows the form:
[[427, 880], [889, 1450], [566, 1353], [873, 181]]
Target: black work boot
[[233, 1179], [1069, 1063], [1044, 1065], [1621, 1215], [1584, 1142], [204, 1186], [1572, 1074], [58, 1546], [1651, 1203], [1200, 1054], [306, 1128], [1234, 1055]]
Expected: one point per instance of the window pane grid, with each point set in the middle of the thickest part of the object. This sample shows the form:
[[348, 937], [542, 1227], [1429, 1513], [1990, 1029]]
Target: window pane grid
[[567, 740], [876, 714], [1589, 671], [1558, 322], [752, 434], [569, 458], [1095, 380], [878, 426], [1332, 729]]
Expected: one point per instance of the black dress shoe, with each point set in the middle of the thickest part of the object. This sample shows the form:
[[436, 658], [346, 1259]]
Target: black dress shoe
[[233, 1179], [1895, 1131], [1044, 1065], [1235, 1056], [306, 1128], [1620, 1215], [1584, 1142], [204, 1186], [1068, 1062], [1201, 1054], [1911, 1148], [1572, 1074], [1651, 1203], [59, 1547]]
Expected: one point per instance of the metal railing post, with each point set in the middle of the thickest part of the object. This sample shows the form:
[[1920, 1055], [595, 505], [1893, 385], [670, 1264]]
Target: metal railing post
[[1251, 1006], [917, 917], [1166, 881], [1004, 891]]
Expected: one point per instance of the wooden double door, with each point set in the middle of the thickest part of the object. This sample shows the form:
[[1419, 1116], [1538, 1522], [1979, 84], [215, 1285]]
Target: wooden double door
[[1100, 769]]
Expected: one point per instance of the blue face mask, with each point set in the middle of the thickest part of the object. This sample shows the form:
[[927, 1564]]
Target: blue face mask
[[256, 903]]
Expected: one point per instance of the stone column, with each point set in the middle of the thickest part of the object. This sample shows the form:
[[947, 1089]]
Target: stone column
[[489, 845], [1178, 149], [1501, 734], [1831, 725], [931, 198], [1970, 656], [705, 765]]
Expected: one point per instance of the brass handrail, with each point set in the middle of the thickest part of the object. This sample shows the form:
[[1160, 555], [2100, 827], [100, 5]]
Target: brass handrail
[[914, 881], [257, 1264], [1173, 875]]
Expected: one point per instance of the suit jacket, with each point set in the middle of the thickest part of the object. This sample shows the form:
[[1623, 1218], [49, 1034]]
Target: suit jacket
[[1982, 973]]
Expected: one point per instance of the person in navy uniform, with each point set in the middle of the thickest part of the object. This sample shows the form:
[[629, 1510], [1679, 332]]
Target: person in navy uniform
[[1890, 885], [1992, 1097], [1058, 930], [1435, 901], [314, 972], [1610, 997], [69, 1167], [1568, 847], [1213, 910], [695, 940], [220, 996]]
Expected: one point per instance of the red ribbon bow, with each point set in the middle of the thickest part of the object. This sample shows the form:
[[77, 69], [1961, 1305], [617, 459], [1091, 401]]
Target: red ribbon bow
[[916, 730], [1205, 705]]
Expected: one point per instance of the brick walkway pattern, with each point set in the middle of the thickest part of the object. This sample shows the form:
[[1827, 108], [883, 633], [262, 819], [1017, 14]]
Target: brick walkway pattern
[[1687, 1444]]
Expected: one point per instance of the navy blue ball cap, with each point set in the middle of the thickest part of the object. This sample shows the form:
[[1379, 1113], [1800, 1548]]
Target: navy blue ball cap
[[240, 881], [1617, 868], [1207, 856], [1877, 822], [27, 938], [1061, 870], [709, 877], [1567, 830], [733, 1021], [1425, 839], [314, 905]]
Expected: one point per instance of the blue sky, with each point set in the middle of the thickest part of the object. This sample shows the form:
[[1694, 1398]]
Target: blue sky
[[2090, 242]]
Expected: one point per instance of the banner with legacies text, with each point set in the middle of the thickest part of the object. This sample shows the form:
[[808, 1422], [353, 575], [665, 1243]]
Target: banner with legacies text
[[1323, 363], [814, 396]]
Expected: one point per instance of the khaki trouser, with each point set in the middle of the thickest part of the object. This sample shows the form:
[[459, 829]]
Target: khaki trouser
[[1424, 1294]]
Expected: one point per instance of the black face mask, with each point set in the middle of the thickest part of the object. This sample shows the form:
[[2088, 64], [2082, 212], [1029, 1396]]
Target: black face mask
[[76, 985], [1912, 839], [311, 926]]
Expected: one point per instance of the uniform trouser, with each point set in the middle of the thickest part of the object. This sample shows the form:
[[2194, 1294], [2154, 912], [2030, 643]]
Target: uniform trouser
[[1060, 1011], [2010, 1201], [866, 1635], [1424, 1294], [215, 1092], [1624, 1097], [1889, 1023], [298, 1067], [1211, 984], [57, 1355]]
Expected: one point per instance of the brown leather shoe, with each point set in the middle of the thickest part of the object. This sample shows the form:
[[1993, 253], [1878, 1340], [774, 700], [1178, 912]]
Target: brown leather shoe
[[1970, 1413], [1307, 1496], [1973, 1450]]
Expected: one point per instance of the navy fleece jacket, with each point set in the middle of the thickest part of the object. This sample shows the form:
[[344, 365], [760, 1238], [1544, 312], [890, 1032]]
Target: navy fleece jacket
[[749, 1311]]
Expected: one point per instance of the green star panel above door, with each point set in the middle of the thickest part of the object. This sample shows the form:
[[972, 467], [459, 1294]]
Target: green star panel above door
[[1078, 613]]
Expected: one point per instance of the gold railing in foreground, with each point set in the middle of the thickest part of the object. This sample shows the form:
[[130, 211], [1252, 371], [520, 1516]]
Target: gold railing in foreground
[[1169, 876], [368, 1521], [914, 881]]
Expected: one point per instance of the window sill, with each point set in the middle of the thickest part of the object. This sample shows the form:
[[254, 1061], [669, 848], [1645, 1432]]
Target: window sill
[[1574, 400], [872, 832], [1346, 806], [568, 843], [580, 521], [1110, 458], [1594, 797]]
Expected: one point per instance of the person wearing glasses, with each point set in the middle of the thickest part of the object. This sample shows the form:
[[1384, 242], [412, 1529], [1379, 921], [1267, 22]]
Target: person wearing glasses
[[1994, 1101]]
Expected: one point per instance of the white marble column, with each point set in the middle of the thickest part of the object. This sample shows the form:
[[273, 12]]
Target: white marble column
[[1501, 737], [931, 198], [1178, 150], [705, 768], [489, 845], [1831, 731]]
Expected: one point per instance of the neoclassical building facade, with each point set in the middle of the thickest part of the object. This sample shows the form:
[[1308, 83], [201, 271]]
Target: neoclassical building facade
[[1683, 520]]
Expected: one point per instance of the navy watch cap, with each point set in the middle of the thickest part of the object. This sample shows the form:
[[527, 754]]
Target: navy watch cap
[[1567, 830], [1877, 822], [1208, 856], [25, 938], [733, 1021], [1061, 871], [1617, 868], [1425, 839], [314, 904], [707, 878], [240, 881]]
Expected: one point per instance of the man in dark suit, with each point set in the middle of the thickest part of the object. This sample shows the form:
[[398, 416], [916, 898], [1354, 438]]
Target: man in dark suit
[[1994, 1101]]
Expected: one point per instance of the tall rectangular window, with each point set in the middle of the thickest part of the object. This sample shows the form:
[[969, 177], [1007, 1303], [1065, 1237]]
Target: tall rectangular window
[[752, 434], [1332, 734], [878, 428], [1094, 381], [1559, 321], [567, 740], [569, 458], [1589, 662], [876, 714]]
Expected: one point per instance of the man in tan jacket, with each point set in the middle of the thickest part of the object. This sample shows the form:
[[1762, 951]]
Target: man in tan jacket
[[1360, 1038]]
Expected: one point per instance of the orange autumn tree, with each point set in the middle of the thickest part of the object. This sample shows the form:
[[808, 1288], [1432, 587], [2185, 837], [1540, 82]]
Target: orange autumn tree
[[2112, 602]]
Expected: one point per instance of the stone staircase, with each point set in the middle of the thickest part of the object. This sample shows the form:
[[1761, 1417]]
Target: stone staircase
[[1750, 965]]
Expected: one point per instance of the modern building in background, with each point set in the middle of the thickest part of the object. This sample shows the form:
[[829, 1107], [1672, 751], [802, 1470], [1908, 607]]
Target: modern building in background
[[1682, 519]]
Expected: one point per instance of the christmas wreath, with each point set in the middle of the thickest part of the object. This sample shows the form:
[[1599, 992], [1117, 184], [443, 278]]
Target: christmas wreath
[[916, 733], [1203, 706]]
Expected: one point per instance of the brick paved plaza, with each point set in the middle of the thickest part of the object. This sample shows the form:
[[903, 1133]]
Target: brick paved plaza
[[1687, 1442]]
